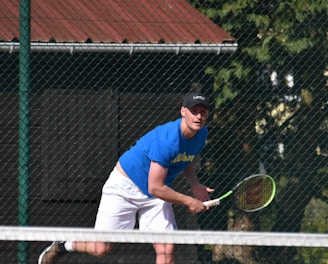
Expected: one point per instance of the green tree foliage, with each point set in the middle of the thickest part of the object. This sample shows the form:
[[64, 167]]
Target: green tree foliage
[[271, 93], [278, 33]]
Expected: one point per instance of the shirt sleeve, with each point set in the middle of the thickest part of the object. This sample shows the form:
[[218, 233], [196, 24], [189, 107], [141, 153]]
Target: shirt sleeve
[[161, 152]]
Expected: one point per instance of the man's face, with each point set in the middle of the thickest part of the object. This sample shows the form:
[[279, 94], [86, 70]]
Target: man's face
[[195, 117]]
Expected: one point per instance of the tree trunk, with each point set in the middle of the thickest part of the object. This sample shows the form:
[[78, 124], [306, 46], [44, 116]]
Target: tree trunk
[[238, 221]]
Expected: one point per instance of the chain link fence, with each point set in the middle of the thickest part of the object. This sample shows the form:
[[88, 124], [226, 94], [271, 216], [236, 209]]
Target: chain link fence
[[269, 113]]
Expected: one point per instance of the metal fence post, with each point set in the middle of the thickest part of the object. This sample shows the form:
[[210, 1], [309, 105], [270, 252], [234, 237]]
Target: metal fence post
[[24, 127]]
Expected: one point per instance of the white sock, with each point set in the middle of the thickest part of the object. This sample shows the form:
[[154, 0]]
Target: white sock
[[69, 246]]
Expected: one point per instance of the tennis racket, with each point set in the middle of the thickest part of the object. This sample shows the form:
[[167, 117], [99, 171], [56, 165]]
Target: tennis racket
[[251, 194]]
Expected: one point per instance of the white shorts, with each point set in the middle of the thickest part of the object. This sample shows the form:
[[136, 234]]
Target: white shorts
[[122, 202]]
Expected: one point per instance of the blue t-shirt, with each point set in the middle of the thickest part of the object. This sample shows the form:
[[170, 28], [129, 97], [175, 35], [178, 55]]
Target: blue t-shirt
[[165, 145]]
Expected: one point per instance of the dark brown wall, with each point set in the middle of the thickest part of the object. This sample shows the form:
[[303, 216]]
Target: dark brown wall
[[76, 139]]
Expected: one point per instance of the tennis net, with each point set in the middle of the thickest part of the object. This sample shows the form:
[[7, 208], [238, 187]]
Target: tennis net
[[134, 246]]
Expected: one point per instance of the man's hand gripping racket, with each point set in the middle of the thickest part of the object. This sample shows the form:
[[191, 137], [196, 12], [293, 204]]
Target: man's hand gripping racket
[[251, 194]]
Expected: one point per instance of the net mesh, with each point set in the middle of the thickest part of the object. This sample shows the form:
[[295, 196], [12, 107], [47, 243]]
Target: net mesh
[[129, 243], [100, 74]]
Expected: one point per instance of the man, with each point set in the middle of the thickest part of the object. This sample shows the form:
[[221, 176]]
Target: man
[[140, 182]]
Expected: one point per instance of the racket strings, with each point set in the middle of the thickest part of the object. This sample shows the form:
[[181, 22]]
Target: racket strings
[[254, 193]]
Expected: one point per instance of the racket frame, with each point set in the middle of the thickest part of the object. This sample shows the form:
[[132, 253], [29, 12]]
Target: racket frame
[[217, 201]]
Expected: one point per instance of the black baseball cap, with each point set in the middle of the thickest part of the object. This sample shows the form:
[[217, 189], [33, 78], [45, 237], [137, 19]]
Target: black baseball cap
[[195, 98]]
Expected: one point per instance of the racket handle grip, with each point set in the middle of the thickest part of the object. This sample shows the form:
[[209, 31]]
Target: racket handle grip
[[212, 203]]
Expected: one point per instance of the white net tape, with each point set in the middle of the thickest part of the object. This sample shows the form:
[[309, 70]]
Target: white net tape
[[15, 233]]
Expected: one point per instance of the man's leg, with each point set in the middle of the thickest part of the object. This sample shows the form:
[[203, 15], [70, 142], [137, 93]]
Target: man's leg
[[98, 249], [113, 213], [52, 253], [158, 215]]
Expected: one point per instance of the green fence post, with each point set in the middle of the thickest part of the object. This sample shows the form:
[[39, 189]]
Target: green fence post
[[24, 126]]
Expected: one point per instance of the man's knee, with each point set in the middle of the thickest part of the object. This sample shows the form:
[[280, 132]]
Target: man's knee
[[101, 249], [164, 253]]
